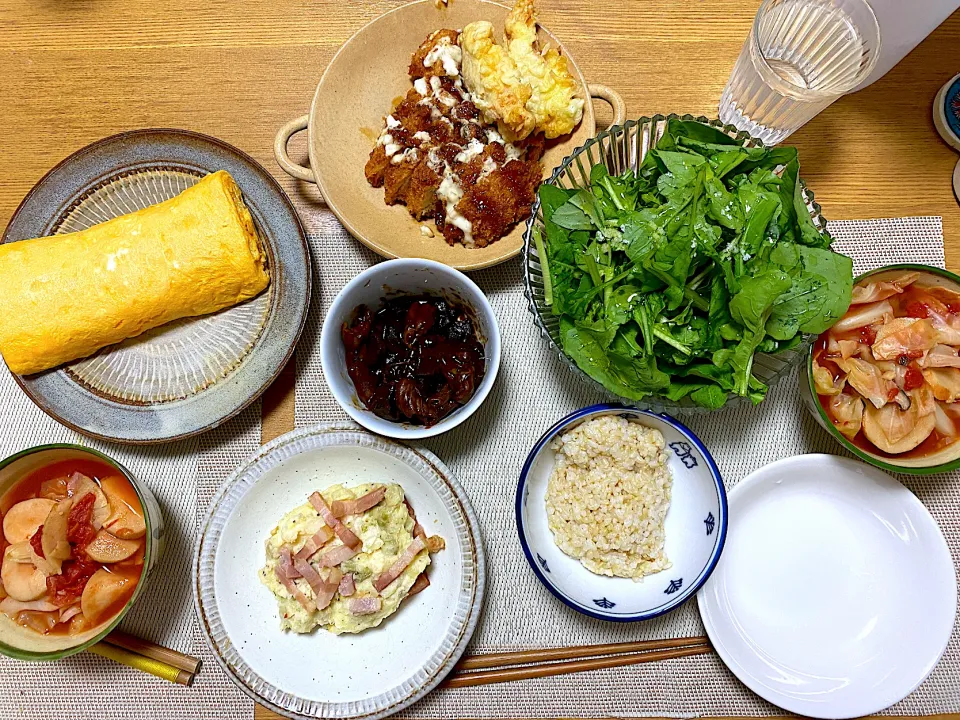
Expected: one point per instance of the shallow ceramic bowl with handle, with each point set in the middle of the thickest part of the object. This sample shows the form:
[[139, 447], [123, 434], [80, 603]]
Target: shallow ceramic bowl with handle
[[405, 277], [695, 527], [24, 644], [943, 461], [621, 148], [359, 88]]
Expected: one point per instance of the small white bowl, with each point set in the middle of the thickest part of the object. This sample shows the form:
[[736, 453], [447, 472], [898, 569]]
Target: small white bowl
[[407, 276], [695, 527]]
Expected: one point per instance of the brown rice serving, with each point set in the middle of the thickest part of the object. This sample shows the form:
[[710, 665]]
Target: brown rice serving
[[608, 496]]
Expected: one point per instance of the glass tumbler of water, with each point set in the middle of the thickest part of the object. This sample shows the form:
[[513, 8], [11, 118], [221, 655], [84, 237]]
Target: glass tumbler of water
[[801, 55]]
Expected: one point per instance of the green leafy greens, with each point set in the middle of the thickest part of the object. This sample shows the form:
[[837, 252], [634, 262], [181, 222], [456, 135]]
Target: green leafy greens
[[667, 281]]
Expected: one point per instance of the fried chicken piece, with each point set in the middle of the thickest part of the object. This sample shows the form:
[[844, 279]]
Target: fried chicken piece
[[492, 77], [500, 199], [412, 116], [429, 59], [376, 166], [396, 180], [421, 198], [379, 170], [520, 87]]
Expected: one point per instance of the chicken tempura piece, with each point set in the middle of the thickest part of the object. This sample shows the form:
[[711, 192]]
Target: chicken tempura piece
[[520, 87], [491, 76], [553, 100]]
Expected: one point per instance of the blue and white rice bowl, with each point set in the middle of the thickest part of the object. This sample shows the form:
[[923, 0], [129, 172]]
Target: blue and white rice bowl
[[695, 526]]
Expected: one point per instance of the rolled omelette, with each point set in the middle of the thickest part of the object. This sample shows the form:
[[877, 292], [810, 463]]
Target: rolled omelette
[[64, 297]]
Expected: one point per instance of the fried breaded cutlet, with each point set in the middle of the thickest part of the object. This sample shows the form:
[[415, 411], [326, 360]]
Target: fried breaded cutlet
[[498, 200], [438, 156]]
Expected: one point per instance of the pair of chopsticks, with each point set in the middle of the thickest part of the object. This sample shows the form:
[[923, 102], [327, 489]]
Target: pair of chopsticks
[[501, 667], [148, 657]]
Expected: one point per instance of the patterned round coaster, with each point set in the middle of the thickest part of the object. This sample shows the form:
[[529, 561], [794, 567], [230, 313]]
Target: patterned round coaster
[[946, 112]]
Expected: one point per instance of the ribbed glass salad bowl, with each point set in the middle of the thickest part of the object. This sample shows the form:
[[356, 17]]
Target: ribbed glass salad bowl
[[619, 148]]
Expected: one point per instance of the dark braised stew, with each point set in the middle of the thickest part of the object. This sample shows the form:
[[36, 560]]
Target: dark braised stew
[[416, 359]]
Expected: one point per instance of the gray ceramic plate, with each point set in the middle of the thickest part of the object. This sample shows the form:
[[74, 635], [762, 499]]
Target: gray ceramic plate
[[190, 375]]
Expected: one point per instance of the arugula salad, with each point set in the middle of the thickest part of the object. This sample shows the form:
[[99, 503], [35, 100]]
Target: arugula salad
[[669, 280]]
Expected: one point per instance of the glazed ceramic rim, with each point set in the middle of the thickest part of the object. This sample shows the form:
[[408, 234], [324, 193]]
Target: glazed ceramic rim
[[329, 336], [582, 415], [756, 477], [882, 463], [298, 306], [224, 650], [657, 403], [21, 654], [318, 177]]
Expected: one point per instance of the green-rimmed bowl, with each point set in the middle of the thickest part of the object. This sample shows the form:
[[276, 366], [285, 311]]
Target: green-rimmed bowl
[[621, 148], [943, 461], [24, 644]]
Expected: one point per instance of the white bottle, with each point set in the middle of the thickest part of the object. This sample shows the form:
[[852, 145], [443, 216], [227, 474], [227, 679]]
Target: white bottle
[[903, 25]]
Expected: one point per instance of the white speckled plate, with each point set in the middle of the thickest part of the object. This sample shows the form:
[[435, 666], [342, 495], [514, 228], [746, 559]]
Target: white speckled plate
[[377, 672]]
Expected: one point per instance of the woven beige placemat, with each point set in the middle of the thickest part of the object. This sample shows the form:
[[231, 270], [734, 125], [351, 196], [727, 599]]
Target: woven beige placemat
[[486, 452], [183, 476]]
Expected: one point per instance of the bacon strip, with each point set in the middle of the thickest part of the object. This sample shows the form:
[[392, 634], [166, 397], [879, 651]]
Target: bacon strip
[[285, 564], [418, 530], [384, 579], [340, 508], [323, 589], [331, 586], [421, 584], [292, 588], [365, 605], [332, 558], [322, 537], [347, 585], [342, 531]]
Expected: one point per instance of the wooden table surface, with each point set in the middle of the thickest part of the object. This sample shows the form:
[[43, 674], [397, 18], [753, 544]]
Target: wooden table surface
[[75, 71]]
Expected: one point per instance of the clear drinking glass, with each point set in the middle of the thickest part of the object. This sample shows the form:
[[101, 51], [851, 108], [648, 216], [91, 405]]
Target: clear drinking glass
[[801, 55]]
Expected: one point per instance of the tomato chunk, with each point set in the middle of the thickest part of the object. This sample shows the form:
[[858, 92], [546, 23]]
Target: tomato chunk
[[80, 530], [913, 378], [917, 309], [67, 587], [868, 334]]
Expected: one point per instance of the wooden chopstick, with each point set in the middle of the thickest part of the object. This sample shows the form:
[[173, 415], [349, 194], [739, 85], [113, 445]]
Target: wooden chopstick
[[142, 663], [525, 657], [575, 659], [186, 663]]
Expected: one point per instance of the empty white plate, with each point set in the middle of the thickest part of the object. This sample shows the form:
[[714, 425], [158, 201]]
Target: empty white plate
[[836, 594]]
